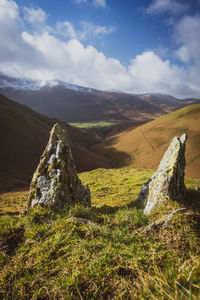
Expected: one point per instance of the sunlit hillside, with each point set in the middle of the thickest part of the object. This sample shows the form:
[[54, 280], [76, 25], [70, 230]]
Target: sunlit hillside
[[145, 145]]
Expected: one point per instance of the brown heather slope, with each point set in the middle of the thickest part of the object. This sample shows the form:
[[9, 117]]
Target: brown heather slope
[[24, 134], [145, 145]]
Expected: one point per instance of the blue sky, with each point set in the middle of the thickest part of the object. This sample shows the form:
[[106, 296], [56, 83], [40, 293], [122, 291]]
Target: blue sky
[[136, 46]]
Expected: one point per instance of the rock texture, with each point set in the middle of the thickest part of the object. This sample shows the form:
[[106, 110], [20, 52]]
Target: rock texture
[[168, 181], [55, 182]]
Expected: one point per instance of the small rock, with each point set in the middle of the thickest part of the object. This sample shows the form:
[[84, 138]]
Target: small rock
[[56, 182], [168, 181], [80, 221]]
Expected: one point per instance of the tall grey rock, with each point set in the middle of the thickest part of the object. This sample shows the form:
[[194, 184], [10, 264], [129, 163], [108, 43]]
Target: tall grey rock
[[168, 181], [55, 181]]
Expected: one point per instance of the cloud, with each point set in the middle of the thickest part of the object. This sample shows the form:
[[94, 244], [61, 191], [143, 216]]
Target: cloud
[[35, 16], [96, 3], [8, 11], [151, 73], [80, 1], [101, 3], [43, 56], [188, 36], [88, 30], [171, 6], [72, 62], [66, 29]]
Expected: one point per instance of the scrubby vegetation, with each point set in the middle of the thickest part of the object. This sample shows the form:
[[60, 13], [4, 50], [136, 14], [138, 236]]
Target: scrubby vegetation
[[50, 256]]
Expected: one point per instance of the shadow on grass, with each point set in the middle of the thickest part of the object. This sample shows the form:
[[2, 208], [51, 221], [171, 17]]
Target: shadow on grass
[[118, 159], [10, 213], [192, 200], [11, 240]]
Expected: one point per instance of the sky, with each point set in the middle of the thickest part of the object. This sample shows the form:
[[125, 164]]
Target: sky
[[134, 46]]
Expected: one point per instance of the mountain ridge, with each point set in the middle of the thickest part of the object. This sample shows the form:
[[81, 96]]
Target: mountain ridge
[[71, 103]]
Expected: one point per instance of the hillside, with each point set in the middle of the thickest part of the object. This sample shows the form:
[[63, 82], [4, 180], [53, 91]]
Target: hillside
[[144, 146], [50, 256], [72, 103], [24, 134], [73, 106]]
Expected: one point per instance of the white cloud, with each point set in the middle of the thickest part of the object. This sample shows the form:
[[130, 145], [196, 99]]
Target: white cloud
[[43, 56], [101, 3], [162, 6], [35, 16], [74, 63], [80, 1], [96, 3], [8, 11], [66, 29], [187, 34], [88, 30], [152, 74]]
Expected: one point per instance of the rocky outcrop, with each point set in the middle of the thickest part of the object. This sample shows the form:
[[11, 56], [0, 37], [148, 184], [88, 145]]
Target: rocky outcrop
[[55, 182], [168, 181]]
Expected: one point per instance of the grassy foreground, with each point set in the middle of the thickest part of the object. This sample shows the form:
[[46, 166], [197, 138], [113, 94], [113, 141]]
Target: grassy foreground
[[49, 256]]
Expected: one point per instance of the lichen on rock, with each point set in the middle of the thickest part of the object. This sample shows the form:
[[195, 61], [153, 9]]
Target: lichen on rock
[[168, 181], [55, 181]]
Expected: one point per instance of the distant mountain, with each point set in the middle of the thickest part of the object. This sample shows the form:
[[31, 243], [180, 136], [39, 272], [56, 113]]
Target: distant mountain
[[72, 103], [165, 102], [24, 134], [144, 146]]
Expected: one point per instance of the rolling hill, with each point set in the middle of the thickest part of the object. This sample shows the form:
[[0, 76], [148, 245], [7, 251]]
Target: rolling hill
[[72, 103], [144, 146], [24, 134]]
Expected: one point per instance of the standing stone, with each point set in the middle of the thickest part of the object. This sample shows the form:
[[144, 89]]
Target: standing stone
[[55, 181], [168, 181]]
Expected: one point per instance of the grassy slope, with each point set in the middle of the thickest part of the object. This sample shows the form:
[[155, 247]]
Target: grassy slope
[[24, 135], [146, 144], [46, 256]]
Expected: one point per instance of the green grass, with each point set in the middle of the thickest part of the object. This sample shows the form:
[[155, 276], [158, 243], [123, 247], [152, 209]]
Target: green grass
[[92, 124], [115, 187], [51, 257]]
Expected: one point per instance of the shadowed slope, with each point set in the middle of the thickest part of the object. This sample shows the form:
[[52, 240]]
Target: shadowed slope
[[146, 144], [24, 134]]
